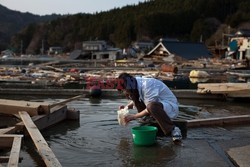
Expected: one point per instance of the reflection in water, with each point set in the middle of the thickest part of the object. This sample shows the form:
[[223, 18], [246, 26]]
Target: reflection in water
[[95, 100], [63, 128], [198, 80], [154, 155], [31, 152]]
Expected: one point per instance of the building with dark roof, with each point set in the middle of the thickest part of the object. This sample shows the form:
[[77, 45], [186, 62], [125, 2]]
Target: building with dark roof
[[184, 50], [242, 33]]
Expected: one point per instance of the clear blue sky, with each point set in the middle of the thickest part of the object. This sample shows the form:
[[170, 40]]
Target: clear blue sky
[[43, 7]]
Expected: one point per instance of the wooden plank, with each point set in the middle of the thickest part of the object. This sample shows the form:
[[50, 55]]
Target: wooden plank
[[67, 100], [183, 117], [7, 130], [240, 155], [4, 159], [12, 107], [228, 89], [58, 114], [232, 120], [223, 87], [15, 151], [43, 149], [192, 94]]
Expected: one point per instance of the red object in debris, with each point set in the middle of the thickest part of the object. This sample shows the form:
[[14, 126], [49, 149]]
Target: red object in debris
[[74, 70], [169, 68], [91, 79]]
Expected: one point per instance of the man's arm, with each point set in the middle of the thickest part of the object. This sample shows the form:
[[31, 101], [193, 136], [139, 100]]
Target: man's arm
[[131, 117], [129, 105]]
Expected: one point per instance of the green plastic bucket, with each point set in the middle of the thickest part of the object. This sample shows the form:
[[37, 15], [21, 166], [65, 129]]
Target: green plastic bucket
[[144, 135]]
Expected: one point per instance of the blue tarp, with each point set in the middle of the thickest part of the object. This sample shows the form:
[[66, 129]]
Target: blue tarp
[[233, 45]]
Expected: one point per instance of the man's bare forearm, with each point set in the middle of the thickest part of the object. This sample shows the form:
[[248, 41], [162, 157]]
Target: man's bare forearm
[[141, 114], [130, 105]]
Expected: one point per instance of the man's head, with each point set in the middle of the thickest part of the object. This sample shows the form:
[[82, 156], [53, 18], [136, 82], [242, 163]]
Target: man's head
[[128, 84]]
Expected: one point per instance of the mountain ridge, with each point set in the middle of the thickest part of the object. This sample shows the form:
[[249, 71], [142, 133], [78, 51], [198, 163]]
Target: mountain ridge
[[150, 20], [12, 21]]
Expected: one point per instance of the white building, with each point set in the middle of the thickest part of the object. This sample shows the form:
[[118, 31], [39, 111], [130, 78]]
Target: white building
[[94, 45], [55, 50], [96, 50], [143, 46], [239, 46]]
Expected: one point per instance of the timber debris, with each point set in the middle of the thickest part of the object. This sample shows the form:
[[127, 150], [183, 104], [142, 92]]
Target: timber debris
[[33, 117]]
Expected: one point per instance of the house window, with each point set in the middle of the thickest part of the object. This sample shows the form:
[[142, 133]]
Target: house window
[[106, 56]]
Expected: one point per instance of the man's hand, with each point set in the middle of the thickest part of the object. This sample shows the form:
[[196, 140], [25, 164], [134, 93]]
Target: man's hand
[[129, 106], [121, 107], [129, 118]]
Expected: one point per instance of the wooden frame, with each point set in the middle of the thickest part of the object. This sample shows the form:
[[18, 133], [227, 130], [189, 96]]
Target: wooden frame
[[13, 141]]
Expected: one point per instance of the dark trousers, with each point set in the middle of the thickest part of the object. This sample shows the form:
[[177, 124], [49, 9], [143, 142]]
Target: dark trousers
[[157, 112]]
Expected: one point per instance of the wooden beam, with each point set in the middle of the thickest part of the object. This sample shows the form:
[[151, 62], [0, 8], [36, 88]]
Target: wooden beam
[[228, 89], [43, 149], [12, 107], [58, 114], [15, 151], [67, 100], [240, 155], [4, 159], [221, 121], [223, 87], [7, 130]]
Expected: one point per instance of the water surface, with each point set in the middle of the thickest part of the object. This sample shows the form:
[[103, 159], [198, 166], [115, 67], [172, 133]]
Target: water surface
[[97, 139]]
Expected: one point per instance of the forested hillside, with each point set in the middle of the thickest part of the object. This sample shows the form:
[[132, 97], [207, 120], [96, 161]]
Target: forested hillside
[[182, 19], [13, 21]]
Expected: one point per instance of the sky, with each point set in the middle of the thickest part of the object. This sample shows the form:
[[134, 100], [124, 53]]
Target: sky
[[43, 7]]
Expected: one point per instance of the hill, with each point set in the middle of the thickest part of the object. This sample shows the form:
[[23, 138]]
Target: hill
[[13, 21], [182, 19]]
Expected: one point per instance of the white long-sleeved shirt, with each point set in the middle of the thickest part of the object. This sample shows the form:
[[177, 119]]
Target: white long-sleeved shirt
[[153, 90]]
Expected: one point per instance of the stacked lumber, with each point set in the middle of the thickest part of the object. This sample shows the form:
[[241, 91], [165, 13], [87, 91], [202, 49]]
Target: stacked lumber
[[229, 89]]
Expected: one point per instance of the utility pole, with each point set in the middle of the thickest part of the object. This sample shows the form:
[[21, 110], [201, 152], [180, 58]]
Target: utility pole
[[42, 49], [21, 48], [228, 32], [222, 42]]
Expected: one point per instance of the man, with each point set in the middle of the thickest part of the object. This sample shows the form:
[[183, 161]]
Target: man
[[151, 97]]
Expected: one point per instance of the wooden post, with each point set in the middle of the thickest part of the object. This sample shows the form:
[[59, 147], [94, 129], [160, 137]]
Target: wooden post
[[43, 149]]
